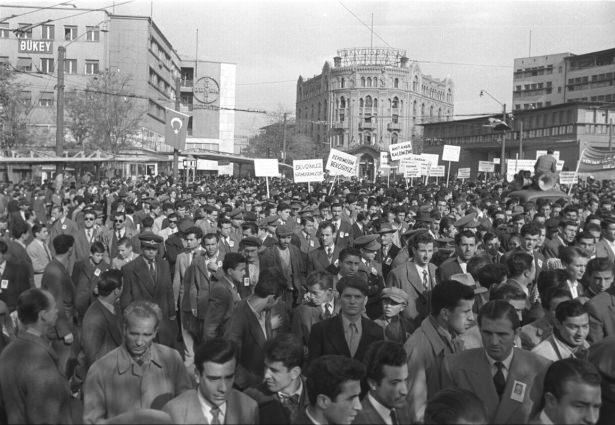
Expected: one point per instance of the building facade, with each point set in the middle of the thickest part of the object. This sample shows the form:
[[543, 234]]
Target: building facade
[[369, 99], [568, 128], [540, 81]]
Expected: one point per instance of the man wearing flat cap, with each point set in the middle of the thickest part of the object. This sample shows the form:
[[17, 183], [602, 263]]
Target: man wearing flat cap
[[290, 260], [396, 327], [388, 250], [148, 278], [369, 246]]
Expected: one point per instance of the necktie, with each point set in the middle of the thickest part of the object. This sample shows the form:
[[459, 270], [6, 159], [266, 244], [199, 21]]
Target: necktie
[[152, 270], [425, 280], [498, 379], [289, 400], [215, 416], [330, 253], [353, 340], [327, 310], [89, 234], [47, 252], [394, 419], [118, 236]]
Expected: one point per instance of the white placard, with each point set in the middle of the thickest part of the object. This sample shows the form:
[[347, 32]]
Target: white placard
[[559, 166], [400, 150], [432, 158], [341, 163], [307, 170], [412, 170], [438, 171], [463, 173], [384, 160], [513, 166], [567, 177], [496, 161], [451, 153], [540, 153], [266, 167], [486, 166]]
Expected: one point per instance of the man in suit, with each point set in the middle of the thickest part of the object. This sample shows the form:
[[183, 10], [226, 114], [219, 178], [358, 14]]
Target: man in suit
[[172, 228], [228, 240], [507, 379], [111, 237], [602, 315], [605, 247], [85, 236], [571, 383], [417, 278], [125, 254], [359, 227], [387, 376], [57, 280], [465, 248], [101, 330], [175, 244], [86, 275], [214, 401], [343, 229], [438, 336], [60, 224], [348, 334], [290, 260], [319, 304], [193, 236], [567, 231], [305, 234], [32, 387], [137, 374], [326, 255], [283, 393], [39, 252], [17, 250], [224, 296], [252, 324], [13, 279], [389, 251], [148, 278], [334, 387]]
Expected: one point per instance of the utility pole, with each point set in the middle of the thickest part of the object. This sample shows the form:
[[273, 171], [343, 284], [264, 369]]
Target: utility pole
[[175, 150], [610, 133], [520, 139], [284, 139], [503, 153], [60, 108]]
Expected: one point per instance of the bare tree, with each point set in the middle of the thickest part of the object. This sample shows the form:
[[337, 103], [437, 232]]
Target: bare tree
[[14, 111]]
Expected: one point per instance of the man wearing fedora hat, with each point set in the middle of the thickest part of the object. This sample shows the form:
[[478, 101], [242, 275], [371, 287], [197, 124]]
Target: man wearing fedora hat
[[388, 250]]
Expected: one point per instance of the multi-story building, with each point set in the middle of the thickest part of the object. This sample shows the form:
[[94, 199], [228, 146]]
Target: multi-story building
[[540, 81], [567, 127], [95, 41], [370, 98], [208, 96]]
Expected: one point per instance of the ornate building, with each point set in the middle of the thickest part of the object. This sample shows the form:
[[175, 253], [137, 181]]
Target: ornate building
[[370, 98]]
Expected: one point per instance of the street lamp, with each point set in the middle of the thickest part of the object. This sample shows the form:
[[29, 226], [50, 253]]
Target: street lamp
[[500, 126]]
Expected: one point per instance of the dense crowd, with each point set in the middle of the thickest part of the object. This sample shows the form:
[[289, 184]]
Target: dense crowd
[[225, 301]]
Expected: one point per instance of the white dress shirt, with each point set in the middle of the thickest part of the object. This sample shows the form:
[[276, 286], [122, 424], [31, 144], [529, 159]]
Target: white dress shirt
[[206, 408], [506, 362], [383, 411]]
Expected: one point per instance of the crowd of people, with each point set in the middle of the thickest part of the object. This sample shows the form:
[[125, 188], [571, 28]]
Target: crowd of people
[[150, 301]]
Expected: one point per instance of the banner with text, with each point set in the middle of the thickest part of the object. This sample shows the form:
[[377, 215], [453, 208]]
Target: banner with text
[[308, 170], [264, 167], [412, 169], [384, 160], [400, 150], [341, 163], [438, 171], [567, 177], [486, 166], [463, 173]]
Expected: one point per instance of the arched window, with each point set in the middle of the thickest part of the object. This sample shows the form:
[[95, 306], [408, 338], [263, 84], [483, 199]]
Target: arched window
[[431, 111], [343, 102], [343, 83], [401, 106], [361, 103], [367, 138], [449, 96], [394, 138], [414, 109], [375, 102], [368, 101], [439, 112], [415, 84], [422, 110], [395, 102], [362, 81], [396, 83], [369, 81]]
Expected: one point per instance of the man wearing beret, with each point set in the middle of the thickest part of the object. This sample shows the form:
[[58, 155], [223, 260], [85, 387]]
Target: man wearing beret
[[148, 278]]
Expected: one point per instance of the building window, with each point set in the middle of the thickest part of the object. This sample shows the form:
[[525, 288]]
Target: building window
[[415, 84], [396, 83], [343, 102], [517, 107], [47, 32], [25, 96], [362, 81], [70, 66], [24, 64], [395, 118], [70, 32], [19, 33], [361, 103], [4, 30], [395, 103], [47, 65], [91, 67], [92, 33], [4, 62], [343, 84], [367, 138], [368, 101], [46, 99]]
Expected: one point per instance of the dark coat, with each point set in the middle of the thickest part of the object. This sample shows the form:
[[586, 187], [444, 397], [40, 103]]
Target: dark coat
[[602, 315], [318, 260], [270, 258], [369, 415], [16, 253], [305, 316], [449, 268], [327, 337], [271, 409], [85, 277], [220, 308], [387, 260], [57, 280], [14, 281], [173, 246], [101, 333]]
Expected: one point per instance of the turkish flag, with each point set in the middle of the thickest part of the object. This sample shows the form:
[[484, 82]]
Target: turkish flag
[[175, 128]]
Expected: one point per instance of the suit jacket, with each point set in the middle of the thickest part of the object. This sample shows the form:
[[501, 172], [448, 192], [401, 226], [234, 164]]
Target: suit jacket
[[181, 265], [186, 409], [139, 285], [305, 316], [280, 413], [448, 268], [173, 246], [318, 260], [550, 248], [344, 237], [406, 277], [388, 260], [601, 315], [17, 253], [306, 244], [32, 388], [57, 280], [40, 258], [356, 231], [232, 246], [603, 250], [14, 281], [108, 237], [223, 297], [82, 244], [85, 277], [470, 370], [327, 337], [369, 415], [69, 227], [270, 258], [101, 333]]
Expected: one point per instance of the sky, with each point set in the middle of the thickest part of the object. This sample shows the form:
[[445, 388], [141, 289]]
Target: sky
[[473, 42]]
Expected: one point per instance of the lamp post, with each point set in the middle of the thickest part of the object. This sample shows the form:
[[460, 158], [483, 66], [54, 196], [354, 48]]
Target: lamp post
[[503, 151]]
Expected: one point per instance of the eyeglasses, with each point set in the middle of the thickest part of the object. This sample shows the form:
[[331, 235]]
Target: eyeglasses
[[172, 221], [118, 221]]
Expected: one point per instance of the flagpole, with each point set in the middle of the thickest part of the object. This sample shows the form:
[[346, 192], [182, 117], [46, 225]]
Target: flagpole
[[576, 172], [175, 150]]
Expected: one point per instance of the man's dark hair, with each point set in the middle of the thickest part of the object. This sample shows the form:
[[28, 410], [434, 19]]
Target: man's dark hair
[[211, 236], [383, 353], [491, 274], [465, 234], [347, 252], [568, 253], [19, 228], [62, 243], [518, 262], [324, 224], [147, 221], [250, 225], [477, 263], [423, 237], [323, 279], [124, 241], [109, 281], [97, 248], [232, 260], [451, 405], [285, 348], [566, 370], [269, 283], [548, 279], [216, 350], [531, 229], [507, 292], [570, 308], [327, 374], [599, 264], [551, 293], [194, 230], [30, 303], [498, 309], [353, 281], [37, 229], [449, 294]]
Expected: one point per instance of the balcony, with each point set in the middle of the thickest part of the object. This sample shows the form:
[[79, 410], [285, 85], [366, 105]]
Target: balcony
[[343, 125], [367, 125], [186, 83], [394, 126]]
